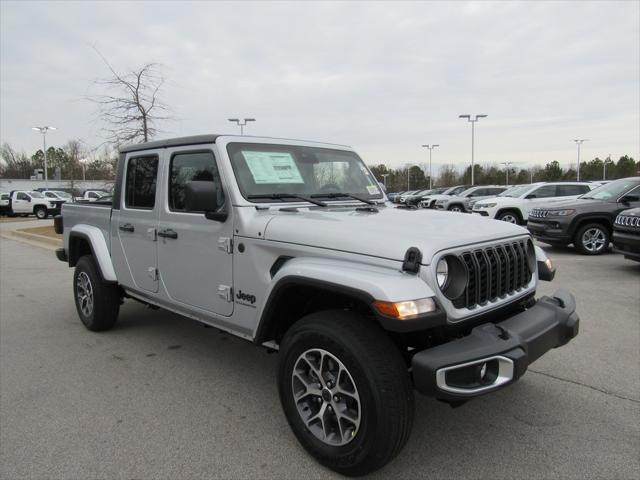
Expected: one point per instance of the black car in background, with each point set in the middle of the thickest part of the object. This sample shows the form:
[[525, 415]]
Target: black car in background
[[626, 234], [588, 220]]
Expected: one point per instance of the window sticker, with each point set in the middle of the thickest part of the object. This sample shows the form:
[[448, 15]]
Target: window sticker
[[373, 190], [272, 167]]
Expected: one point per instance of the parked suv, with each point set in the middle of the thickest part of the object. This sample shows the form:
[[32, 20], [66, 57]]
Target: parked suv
[[514, 206], [626, 234], [429, 201], [460, 203], [417, 197], [587, 222], [291, 245]]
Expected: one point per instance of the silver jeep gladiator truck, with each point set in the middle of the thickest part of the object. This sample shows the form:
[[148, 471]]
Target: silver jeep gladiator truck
[[292, 245]]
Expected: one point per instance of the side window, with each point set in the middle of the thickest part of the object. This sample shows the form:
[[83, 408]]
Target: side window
[[22, 196], [545, 191], [494, 191], [566, 190], [140, 190], [187, 167]]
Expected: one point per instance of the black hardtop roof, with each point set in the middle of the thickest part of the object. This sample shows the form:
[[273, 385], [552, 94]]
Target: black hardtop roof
[[170, 142]]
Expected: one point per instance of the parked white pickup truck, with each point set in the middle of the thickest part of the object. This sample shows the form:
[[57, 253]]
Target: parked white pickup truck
[[91, 196], [292, 245], [23, 202], [515, 204]]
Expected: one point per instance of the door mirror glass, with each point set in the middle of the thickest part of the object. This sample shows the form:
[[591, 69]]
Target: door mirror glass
[[203, 197], [630, 198]]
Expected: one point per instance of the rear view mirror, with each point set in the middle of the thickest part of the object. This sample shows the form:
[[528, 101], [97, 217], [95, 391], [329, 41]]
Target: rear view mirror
[[204, 197]]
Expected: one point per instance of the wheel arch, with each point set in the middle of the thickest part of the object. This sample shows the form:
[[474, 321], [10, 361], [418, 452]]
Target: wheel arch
[[579, 221], [89, 240], [515, 210]]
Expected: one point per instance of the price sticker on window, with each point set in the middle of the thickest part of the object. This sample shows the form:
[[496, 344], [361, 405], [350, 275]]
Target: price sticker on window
[[272, 167]]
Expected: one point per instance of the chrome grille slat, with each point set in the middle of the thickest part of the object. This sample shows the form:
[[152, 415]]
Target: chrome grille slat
[[493, 273]]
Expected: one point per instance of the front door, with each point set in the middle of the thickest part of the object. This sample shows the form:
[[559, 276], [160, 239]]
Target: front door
[[137, 221], [195, 254]]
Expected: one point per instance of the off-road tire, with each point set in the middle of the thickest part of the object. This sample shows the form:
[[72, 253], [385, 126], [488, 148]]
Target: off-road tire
[[504, 215], [41, 213], [105, 296], [380, 376], [585, 247]]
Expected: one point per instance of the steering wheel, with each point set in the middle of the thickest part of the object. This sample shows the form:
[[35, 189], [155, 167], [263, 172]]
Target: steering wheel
[[330, 186]]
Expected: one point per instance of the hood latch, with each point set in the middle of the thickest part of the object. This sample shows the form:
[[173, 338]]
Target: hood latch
[[412, 259]]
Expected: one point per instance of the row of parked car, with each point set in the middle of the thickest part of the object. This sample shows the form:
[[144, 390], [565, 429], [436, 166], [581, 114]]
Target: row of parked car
[[43, 202], [588, 215]]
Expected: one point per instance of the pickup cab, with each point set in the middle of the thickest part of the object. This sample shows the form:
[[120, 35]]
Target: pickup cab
[[23, 202], [292, 245], [4, 203]]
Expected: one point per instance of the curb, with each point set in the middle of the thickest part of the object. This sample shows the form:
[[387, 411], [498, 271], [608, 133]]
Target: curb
[[33, 239]]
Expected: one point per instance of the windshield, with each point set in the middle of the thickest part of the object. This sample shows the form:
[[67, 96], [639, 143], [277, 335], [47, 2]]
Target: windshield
[[611, 190], [62, 194], [264, 169], [36, 195], [516, 192]]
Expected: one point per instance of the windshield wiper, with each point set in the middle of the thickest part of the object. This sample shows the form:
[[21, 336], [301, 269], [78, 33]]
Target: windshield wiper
[[280, 196], [343, 195]]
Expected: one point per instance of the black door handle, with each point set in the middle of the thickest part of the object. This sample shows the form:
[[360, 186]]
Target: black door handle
[[168, 233], [127, 227]]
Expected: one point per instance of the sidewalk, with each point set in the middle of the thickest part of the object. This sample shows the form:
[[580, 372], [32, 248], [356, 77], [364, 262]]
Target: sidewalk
[[8, 230]]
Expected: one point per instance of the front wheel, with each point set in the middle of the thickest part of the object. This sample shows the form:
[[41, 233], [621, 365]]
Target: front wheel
[[97, 301], [455, 208], [41, 213], [345, 391], [510, 217], [592, 239]]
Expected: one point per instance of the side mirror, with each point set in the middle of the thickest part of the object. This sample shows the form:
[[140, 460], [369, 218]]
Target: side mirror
[[630, 198], [204, 197], [29, 199], [530, 196]]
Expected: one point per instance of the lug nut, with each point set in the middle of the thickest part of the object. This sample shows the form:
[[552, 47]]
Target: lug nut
[[336, 398], [330, 408], [330, 384], [319, 385]]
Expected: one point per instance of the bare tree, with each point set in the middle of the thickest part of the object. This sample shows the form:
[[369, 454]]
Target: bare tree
[[130, 106]]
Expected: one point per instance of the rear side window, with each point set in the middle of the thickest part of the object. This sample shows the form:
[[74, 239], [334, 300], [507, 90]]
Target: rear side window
[[566, 190], [142, 174], [188, 167], [545, 192]]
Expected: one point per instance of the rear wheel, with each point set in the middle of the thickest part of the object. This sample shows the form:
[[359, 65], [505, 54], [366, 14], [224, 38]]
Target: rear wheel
[[592, 239], [509, 216], [41, 212], [97, 301], [455, 208], [345, 391]]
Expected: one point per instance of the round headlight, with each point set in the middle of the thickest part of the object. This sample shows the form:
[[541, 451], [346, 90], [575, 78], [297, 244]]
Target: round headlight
[[442, 272]]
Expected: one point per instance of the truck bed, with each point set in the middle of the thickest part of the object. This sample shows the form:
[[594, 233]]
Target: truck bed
[[94, 214]]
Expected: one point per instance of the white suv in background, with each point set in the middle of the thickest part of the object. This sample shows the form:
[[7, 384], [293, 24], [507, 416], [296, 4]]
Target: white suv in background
[[514, 205]]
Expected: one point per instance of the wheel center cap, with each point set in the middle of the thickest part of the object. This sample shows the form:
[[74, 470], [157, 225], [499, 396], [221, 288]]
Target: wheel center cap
[[326, 395]]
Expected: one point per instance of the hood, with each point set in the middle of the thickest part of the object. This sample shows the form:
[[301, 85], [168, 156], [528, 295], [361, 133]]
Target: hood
[[574, 203], [388, 233]]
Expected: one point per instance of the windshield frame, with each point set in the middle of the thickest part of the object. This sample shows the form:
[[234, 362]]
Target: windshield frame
[[233, 147]]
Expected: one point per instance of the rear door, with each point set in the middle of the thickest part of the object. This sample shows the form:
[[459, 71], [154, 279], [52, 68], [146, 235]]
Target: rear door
[[137, 220], [195, 253]]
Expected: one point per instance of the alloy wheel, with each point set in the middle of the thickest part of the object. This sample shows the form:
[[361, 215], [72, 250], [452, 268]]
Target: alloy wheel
[[326, 397], [84, 292], [593, 239], [509, 218]]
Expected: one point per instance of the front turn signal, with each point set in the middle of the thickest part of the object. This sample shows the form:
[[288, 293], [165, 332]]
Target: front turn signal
[[406, 309]]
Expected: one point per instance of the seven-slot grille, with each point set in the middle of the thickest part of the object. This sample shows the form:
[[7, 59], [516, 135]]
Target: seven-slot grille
[[494, 272], [536, 213], [627, 221]]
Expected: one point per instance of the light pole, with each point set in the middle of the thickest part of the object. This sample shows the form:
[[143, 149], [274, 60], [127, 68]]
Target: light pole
[[384, 179], [430, 147], [473, 122], [83, 162], [241, 123], [579, 141], [604, 167], [507, 165], [43, 130]]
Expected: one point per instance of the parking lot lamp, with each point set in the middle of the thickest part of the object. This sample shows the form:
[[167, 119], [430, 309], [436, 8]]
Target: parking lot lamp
[[473, 122], [579, 141], [241, 123], [430, 147], [507, 165], [384, 179], [43, 130], [604, 167]]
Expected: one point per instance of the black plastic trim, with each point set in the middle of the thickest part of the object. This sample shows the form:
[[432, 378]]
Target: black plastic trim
[[170, 142], [545, 273], [61, 254], [412, 260], [58, 224], [117, 190]]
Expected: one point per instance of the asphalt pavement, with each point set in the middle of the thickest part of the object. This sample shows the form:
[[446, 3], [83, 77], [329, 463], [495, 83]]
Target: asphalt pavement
[[160, 396]]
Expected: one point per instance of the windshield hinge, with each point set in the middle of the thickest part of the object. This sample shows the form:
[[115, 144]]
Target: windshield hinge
[[225, 244]]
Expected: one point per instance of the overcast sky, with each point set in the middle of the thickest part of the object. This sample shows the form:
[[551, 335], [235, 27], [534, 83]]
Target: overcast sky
[[383, 77]]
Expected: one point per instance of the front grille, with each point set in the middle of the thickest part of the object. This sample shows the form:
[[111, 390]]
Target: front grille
[[627, 221], [493, 273], [536, 213]]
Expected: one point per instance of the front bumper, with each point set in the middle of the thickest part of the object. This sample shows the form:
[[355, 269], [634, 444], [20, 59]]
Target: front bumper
[[481, 212], [493, 356], [551, 230], [628, 244]]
